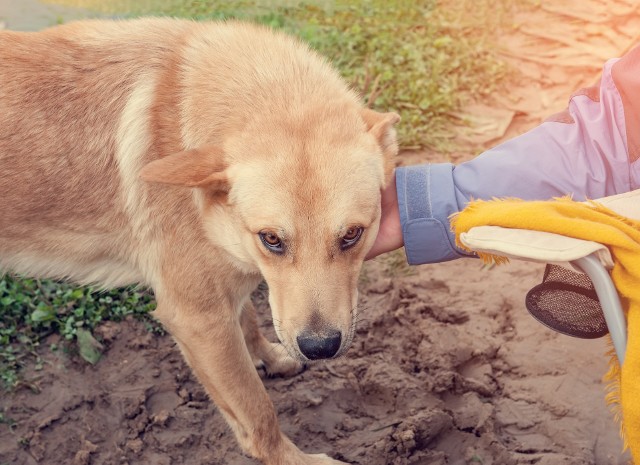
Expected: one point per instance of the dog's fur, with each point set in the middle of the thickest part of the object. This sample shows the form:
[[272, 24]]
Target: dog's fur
[[155, 151]]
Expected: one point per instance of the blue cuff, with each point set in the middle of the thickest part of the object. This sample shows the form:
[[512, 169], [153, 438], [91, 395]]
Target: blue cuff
[[426, 199]]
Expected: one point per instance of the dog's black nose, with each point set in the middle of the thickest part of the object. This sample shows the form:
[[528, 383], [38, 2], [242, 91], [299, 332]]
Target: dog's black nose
[[315, 347]]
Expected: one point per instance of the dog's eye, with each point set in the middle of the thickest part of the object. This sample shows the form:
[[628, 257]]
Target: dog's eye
[[350, 238], [272, 242]]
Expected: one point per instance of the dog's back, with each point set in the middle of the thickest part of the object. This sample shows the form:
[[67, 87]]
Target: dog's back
[[62, 95]]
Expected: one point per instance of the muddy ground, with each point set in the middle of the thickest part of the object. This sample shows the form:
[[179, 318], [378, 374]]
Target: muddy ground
[[447, 366]]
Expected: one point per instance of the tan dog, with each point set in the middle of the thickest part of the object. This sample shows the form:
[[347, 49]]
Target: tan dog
[[196, 158]]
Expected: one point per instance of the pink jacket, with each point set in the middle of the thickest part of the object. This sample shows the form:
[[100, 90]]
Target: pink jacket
[[590, 150]]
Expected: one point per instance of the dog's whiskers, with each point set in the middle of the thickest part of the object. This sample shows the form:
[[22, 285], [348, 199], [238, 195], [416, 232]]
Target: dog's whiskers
[[283, 340]]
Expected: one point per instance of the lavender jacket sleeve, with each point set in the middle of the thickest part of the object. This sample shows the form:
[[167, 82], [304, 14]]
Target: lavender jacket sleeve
[[590, 150]]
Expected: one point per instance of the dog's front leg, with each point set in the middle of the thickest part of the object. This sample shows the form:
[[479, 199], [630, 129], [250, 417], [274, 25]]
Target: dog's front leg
[[268, 355], [214, 346]]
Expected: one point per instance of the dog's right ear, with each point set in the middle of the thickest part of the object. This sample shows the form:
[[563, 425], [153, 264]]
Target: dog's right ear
[[380, 126], [201, 167]]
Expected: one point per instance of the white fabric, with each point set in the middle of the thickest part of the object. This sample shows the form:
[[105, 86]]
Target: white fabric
[[535, 246], [544, 247], [627, 204]]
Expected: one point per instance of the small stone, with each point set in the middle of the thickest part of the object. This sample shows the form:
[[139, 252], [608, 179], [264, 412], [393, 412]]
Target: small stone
[[91, 447], [161, 418], [135, 445], [82, 457]]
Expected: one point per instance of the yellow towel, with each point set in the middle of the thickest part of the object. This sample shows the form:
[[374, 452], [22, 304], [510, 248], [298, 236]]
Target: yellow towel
[[592, 222]]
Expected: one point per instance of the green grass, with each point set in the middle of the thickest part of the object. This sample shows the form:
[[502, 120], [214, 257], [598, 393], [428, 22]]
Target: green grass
[[415, 57], [394, 264], [31, 310], [418, 58]]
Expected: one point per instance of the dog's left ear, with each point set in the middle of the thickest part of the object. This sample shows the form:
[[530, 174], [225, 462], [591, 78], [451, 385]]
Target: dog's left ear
[[380, 126], [201, 167]]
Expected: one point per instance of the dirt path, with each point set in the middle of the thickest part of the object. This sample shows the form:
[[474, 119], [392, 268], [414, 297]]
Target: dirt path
[[554, 49], [447, 367]]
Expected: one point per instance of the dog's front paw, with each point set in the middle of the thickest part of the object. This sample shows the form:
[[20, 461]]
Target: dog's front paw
[[278, 362], [309, 459], [321, 459], [289, 454]]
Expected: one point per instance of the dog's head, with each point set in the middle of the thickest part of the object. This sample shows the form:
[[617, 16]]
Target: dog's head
[[299, 201]]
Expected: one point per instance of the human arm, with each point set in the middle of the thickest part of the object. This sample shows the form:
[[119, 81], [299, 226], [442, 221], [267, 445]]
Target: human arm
[[590, 150]]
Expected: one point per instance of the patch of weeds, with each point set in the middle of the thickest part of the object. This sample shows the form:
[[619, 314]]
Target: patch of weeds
[[10, 422], [394, 264], [31, 310], [403, 56], [153, 326], [418, 58], [364, 278]]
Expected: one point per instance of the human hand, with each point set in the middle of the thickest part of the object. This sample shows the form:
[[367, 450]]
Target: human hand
[[390, 233]]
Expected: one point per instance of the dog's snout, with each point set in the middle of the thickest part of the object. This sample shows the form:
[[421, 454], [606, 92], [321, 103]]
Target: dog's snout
[[315, 346]]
